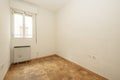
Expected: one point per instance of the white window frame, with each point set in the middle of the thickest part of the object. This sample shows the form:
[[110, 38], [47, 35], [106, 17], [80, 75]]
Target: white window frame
[[23, 13]]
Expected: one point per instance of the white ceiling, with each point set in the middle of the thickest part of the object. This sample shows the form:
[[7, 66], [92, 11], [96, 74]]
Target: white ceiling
[[53, 5]]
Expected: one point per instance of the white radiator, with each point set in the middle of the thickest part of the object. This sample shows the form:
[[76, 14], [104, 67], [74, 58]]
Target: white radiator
[[21, 53]]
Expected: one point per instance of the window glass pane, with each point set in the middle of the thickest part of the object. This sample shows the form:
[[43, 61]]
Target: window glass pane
[[28, 26], [18, 25]]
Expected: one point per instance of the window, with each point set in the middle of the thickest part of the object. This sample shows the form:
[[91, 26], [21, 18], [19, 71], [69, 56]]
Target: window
[[28, 26], [18, 25], [23, 25]]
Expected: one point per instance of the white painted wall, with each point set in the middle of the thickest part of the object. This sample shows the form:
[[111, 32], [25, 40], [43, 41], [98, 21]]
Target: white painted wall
[[88, 33], [5, 37], [45, 30], [18, 4]]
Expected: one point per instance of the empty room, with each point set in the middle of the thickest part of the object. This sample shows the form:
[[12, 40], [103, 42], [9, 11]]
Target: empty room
[[60, 40]]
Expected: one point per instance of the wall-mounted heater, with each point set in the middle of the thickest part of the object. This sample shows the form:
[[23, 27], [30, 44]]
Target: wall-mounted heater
[[21, 53]]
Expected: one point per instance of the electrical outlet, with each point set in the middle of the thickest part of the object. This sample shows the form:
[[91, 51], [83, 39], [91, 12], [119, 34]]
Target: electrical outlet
[[92, 56]]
